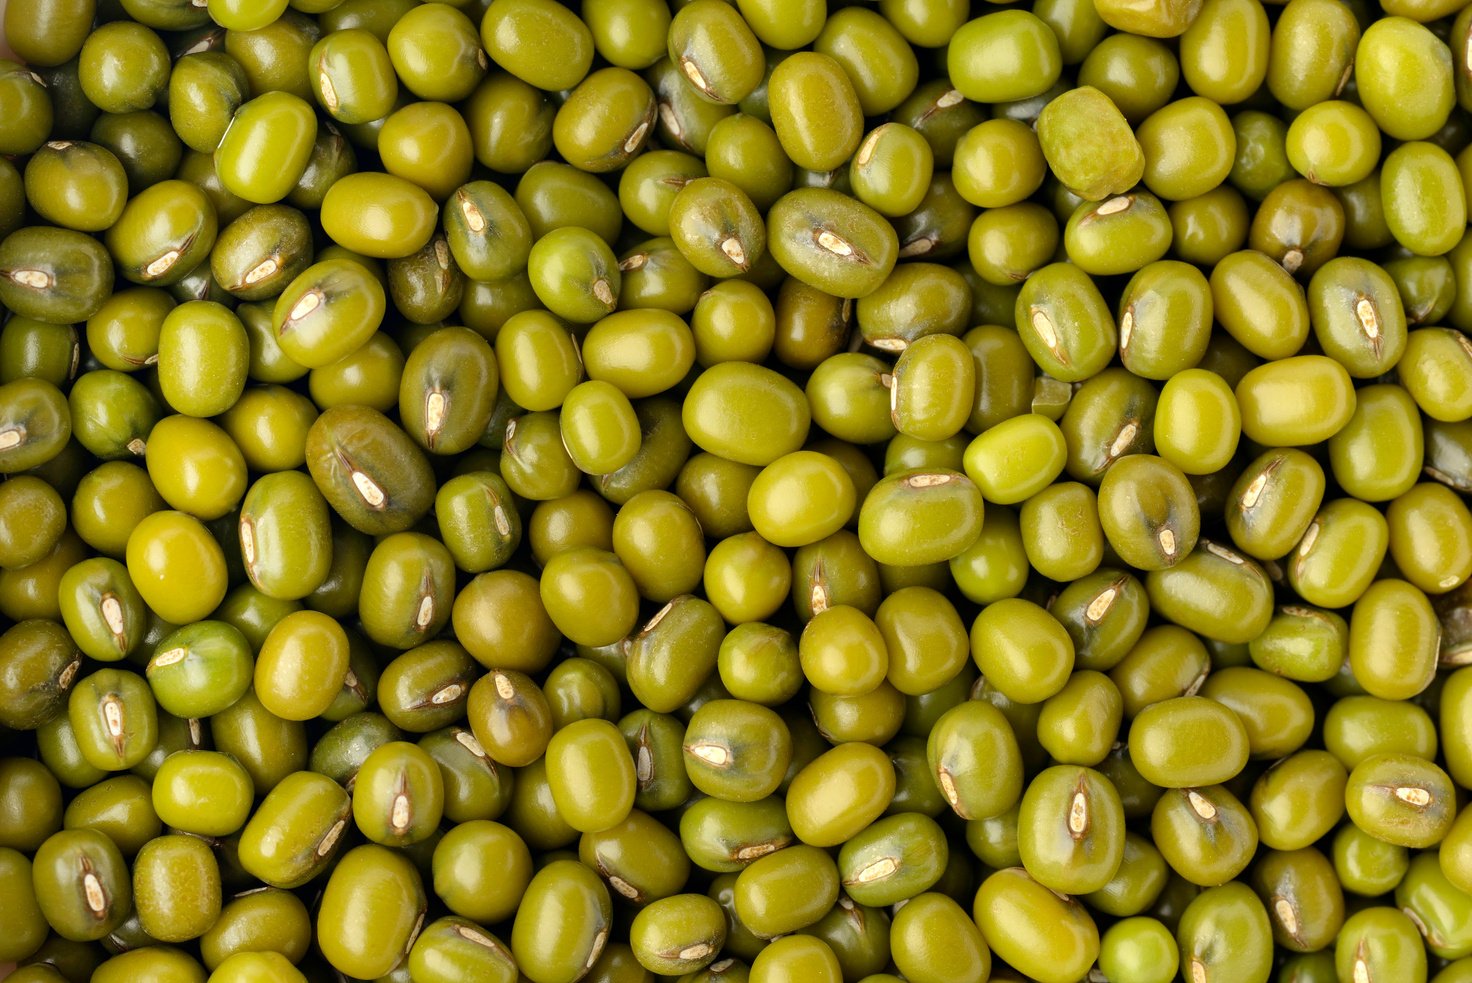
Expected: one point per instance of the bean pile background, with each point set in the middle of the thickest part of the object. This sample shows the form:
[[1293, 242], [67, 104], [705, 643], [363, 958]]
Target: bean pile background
[[772, 491]]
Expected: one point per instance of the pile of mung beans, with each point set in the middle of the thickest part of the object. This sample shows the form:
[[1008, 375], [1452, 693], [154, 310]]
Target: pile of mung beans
[[772, 491]]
